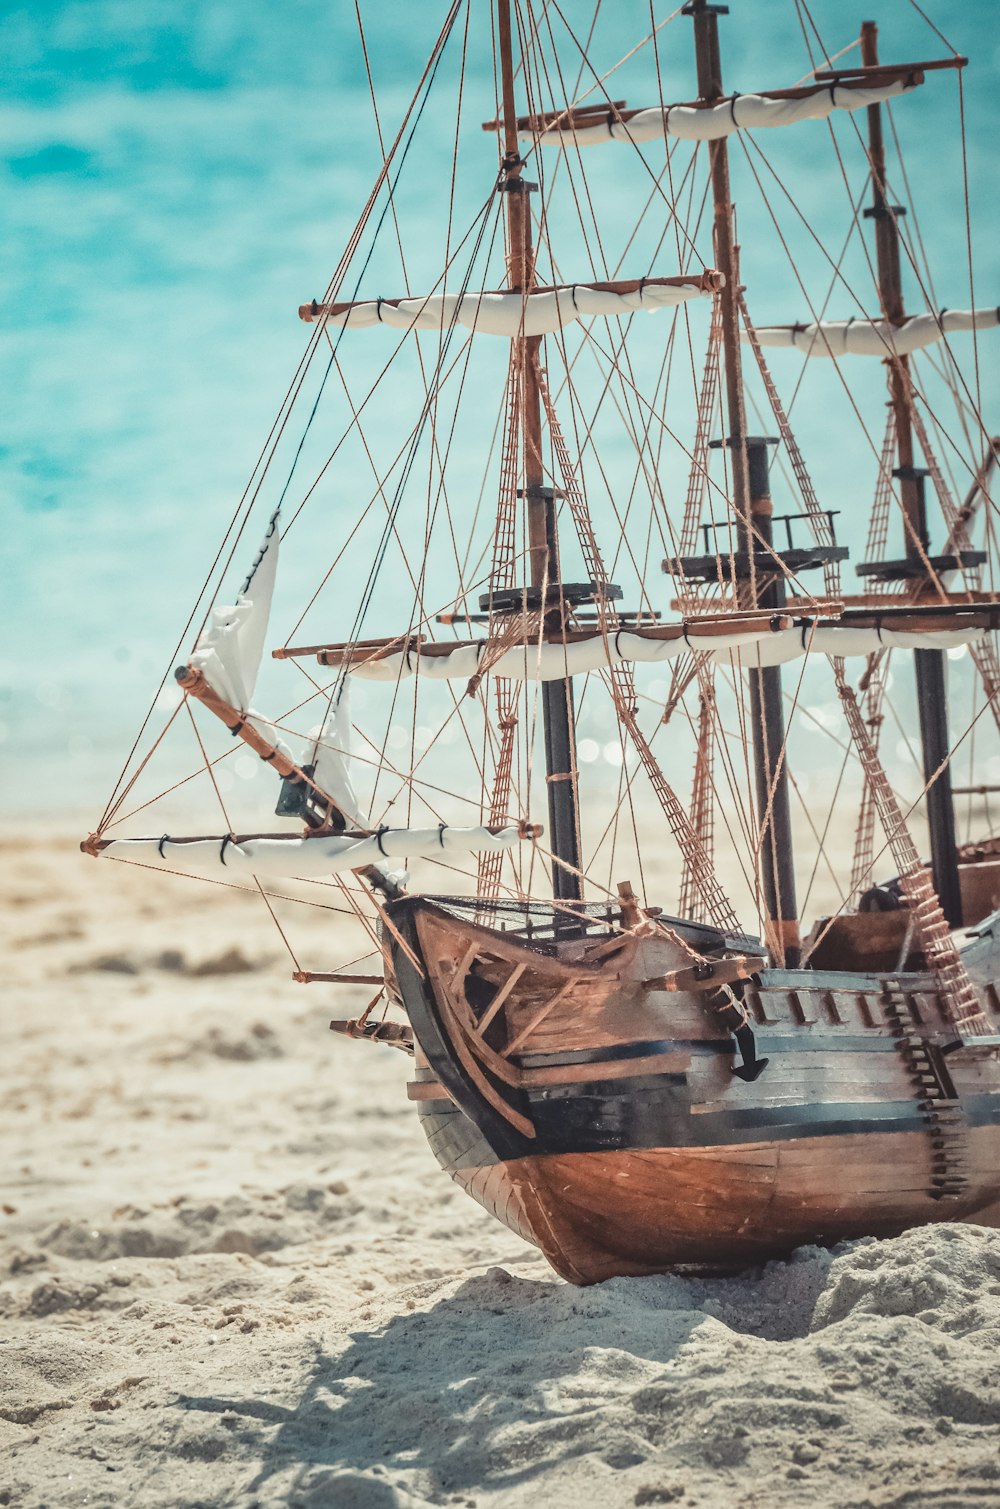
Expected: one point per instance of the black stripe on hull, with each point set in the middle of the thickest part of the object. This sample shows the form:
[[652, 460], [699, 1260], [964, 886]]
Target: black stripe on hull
[[647, 1113]]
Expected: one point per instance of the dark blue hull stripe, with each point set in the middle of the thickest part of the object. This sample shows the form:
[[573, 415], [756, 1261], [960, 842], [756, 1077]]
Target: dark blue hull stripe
[[637, 1116]]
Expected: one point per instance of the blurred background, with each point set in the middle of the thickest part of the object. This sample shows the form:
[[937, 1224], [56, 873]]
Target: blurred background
[[178, 178]]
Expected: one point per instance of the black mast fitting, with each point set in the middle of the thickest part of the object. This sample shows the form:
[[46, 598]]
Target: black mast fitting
[[742, 562]]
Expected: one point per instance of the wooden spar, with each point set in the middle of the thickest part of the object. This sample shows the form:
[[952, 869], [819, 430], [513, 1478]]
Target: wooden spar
[[287, 652], [540, 504], [929, 664], [865, 73], [708, 281], [752, 505], [947, 602], [847, 78], [321, 811], [310, 977], [926, 617]]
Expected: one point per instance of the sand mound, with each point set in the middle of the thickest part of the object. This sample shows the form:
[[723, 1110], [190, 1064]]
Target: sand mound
[[947, 1277]]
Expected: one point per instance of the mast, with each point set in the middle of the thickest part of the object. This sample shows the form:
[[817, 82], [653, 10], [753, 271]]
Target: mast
[[752, 502], [540, 501], [929, 664]]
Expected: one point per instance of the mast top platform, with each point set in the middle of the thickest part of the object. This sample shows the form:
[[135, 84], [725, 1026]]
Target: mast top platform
[[555, 595], [915, 567], [748, 442]]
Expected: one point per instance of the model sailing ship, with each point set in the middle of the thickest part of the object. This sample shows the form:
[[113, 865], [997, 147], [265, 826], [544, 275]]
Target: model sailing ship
[[629, 1089]]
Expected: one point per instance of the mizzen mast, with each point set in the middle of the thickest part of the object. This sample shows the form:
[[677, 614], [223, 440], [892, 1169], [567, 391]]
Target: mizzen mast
[[918, 565], [540, 501], [752, 503]]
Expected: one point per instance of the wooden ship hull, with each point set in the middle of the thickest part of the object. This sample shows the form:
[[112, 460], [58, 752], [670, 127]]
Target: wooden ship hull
[[589, 1098]]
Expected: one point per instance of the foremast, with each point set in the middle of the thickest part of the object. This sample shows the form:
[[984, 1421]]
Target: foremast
[[540, 501], [752, 504]]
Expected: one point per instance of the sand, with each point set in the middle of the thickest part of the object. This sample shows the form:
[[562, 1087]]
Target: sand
[[232, 1273]]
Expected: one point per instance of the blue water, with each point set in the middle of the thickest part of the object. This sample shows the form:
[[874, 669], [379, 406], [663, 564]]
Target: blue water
[[178, 178]]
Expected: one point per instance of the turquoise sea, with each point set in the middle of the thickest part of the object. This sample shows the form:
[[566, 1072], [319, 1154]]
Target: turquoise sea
[[178, 177]]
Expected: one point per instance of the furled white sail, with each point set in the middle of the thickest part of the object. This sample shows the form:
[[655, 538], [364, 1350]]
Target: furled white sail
[[302, 858], [753, 647], [824, 639], [230, 647], [863, 337], [512, 314], [740, 112]]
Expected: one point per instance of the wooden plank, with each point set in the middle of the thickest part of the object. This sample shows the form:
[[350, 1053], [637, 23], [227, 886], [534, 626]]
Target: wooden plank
[[540, 1016], [500, 997], [462, 967], [426, 1089]]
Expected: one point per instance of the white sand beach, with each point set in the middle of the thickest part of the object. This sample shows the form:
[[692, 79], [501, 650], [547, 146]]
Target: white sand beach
[[232, 1273]]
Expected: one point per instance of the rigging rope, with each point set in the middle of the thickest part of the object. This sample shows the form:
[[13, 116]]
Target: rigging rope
[[958, 994], [621, 681], [698, 476], [821, 525], [878, 526], [691, 903], [506, 691], [874, 683], [984, 654]]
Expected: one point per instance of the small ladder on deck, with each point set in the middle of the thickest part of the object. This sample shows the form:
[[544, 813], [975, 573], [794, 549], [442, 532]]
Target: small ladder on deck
[[939, 1105]]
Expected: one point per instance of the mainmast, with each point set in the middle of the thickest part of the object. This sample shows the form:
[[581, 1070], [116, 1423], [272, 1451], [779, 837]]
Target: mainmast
[[929, 664], [540, 501], [752, 502]]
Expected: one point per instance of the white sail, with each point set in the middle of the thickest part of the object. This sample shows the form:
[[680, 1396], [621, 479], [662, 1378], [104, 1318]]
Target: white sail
[[302, 858], [230, 647], [753, 647], [862, 337], [512, 314], [328, 748], [741, 112]]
